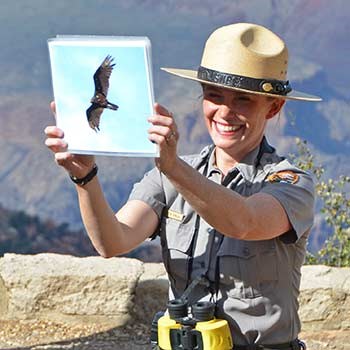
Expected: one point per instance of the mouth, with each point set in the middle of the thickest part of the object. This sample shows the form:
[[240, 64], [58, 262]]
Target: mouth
[[227, 129]]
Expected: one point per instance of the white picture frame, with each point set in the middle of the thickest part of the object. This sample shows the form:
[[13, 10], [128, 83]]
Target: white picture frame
[[121, 128]]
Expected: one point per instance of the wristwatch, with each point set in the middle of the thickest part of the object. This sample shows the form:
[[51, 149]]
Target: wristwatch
[[87, 178]]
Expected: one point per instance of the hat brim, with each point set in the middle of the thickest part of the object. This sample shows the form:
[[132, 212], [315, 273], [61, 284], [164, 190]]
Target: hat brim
[[192, 75]]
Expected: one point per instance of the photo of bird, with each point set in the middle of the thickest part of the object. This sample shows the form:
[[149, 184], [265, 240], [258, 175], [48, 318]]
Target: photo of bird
[[99, 101]]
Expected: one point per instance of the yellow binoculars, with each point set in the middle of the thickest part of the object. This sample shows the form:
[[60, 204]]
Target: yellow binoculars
[[200, 331]]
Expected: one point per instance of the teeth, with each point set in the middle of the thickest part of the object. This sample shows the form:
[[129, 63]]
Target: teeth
[[227, 128]]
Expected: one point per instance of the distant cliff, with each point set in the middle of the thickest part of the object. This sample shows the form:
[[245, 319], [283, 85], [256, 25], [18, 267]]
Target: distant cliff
[[29, 178], [28, 234]]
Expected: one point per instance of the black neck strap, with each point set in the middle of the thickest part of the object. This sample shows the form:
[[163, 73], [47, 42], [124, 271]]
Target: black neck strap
[[270, 86]]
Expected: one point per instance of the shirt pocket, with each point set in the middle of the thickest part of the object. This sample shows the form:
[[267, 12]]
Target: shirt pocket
[[247, 269], [176, 241]]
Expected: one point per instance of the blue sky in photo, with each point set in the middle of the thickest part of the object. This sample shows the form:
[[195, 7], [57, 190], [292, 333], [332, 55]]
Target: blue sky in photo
[[73, 64]]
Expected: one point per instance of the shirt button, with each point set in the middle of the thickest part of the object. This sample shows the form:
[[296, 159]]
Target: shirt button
[[246, 251]]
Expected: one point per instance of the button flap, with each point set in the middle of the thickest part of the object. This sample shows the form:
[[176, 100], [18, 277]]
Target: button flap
[[245, 249], [179, 236]]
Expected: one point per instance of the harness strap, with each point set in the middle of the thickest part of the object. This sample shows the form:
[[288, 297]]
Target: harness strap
[[198, 280]]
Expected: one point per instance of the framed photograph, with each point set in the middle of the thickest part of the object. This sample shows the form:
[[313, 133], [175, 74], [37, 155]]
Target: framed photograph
[[103, 90]]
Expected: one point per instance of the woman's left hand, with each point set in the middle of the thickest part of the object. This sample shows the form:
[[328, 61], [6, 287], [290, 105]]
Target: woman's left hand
[[164, 133]]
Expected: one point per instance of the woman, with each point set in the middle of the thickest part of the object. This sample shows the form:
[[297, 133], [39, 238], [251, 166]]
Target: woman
[[237, 213]]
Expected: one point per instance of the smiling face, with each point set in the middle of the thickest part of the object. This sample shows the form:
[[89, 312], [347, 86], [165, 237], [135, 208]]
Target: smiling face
[[236, 120]]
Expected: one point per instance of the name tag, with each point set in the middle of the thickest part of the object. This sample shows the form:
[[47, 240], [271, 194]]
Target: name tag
[[174, 215]]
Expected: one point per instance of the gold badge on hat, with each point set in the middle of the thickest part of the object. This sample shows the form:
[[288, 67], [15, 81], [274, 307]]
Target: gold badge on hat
[[267, 87], [286, 176]]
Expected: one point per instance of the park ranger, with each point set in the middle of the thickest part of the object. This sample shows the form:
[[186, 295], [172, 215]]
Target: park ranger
[[237, 214]]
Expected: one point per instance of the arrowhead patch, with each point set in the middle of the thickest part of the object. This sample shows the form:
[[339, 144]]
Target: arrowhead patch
[[286, 176]]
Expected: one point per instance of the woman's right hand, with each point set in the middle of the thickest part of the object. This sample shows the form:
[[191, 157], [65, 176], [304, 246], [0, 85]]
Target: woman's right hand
[[77, 165]]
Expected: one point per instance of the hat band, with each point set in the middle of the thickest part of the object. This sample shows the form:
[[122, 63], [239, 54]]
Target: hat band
[[271, 86]]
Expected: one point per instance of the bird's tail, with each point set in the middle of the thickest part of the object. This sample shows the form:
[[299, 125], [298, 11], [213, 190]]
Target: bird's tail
[[112, 106], [94, 126]]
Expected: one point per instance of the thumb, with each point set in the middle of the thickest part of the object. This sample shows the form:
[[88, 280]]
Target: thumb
[[159, 109], [53, 108]]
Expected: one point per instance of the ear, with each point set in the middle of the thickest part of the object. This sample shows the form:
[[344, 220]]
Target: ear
[[275, 107]]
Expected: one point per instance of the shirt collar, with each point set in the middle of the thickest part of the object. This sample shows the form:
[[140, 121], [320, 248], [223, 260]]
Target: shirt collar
[[249, 165], [206, 152]]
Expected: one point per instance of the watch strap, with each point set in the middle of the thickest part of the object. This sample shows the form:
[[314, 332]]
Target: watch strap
[[87, 178]]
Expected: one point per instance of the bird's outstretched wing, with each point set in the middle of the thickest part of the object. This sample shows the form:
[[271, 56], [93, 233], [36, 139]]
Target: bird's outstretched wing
[[93, 114], [102, 74]]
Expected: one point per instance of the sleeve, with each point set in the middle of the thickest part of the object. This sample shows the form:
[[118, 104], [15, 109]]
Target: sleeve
[[150, 190], [296, 195]]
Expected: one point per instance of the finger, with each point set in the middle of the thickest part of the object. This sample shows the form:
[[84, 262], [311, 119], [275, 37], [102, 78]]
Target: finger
[[166, 132], [172, 137], [159, 109], [159, 119], [53, 131], [160, 130], [53, 107], [63, 158], [56, 145], [164, 121], [158, 139]]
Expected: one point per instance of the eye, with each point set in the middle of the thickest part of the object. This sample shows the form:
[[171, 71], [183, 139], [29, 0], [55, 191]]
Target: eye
[[212, 95], [243, 98]]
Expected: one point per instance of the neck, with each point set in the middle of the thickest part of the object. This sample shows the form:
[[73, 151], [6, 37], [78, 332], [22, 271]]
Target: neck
[[225, 162]]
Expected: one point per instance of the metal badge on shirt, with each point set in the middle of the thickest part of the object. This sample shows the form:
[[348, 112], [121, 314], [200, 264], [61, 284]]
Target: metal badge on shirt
[[171, 214]]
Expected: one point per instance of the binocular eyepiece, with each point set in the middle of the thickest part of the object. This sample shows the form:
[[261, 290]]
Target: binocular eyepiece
[[191, 327], [177, 309], [202, 311]]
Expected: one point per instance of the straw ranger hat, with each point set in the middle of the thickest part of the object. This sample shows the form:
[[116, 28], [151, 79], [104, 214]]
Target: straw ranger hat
[[245, 57]]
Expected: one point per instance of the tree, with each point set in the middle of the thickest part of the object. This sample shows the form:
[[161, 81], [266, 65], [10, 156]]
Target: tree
[[333, 195]]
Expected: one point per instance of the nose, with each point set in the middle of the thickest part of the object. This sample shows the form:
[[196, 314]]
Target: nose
[[225, 111]]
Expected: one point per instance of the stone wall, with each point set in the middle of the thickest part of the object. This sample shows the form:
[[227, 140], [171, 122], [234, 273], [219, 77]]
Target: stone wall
[[69, 289], [117, 290], [325, 298]]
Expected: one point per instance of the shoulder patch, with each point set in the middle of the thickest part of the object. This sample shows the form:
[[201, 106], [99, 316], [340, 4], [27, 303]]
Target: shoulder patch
[[286, 176]]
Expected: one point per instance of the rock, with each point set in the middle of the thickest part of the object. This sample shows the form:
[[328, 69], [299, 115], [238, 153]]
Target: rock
[[114, 291], [325, 298], [151, 292], [60, 287]]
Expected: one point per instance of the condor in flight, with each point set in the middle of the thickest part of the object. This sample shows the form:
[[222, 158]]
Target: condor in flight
[[99, 101]]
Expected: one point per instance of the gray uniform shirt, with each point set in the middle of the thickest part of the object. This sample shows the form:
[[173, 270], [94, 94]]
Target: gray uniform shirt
[[257, 282]]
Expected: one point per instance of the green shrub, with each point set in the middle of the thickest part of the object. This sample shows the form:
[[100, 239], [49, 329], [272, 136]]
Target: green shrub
[[333, 195]]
